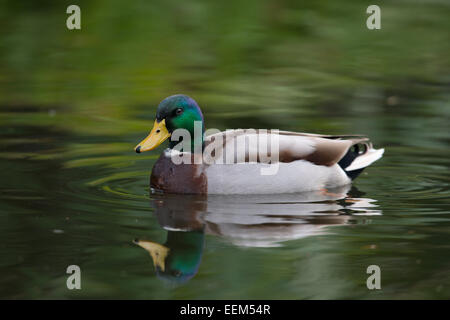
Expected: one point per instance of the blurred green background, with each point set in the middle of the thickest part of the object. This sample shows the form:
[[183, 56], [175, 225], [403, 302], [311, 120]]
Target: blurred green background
[[73, 104]]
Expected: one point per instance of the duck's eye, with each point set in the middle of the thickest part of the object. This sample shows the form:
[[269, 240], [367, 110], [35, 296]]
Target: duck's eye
[[178, 111]]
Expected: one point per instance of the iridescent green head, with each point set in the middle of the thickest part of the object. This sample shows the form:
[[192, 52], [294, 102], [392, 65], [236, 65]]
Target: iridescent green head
[[175, 112]]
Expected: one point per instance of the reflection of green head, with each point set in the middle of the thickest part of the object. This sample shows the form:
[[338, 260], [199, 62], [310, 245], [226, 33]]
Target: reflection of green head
[[179, 258]]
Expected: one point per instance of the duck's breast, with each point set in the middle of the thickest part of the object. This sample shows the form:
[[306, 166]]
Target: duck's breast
[[181, 178]]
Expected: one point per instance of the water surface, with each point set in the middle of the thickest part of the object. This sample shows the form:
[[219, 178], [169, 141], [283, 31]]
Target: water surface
[[74, 105]]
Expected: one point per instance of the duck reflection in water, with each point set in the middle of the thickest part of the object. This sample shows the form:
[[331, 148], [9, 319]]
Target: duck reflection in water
[[250, 220]]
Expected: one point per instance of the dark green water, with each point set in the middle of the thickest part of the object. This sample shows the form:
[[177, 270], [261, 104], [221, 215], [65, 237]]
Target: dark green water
[[73, 104]]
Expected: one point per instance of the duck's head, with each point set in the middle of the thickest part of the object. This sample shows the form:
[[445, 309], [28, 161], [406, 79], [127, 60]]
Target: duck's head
[[174, 112]]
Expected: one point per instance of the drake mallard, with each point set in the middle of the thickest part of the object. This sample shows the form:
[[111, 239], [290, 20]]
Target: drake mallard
[[303, 162]]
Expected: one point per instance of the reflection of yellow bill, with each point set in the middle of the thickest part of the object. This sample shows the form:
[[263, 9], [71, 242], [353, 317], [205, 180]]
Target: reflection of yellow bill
[[157, 251], [158, 135]]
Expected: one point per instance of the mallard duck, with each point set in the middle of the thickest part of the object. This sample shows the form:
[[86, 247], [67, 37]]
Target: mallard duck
[[235, 162]]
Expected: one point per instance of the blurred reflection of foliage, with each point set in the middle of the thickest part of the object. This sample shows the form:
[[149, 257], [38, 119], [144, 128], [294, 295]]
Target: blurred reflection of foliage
[[267, 64], [278, 50]]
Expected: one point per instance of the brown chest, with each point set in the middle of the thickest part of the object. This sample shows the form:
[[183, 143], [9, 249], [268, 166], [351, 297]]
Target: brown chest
[[178, 178]]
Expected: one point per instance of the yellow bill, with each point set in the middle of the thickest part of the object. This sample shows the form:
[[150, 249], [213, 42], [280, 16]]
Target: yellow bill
[[158, 135]]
